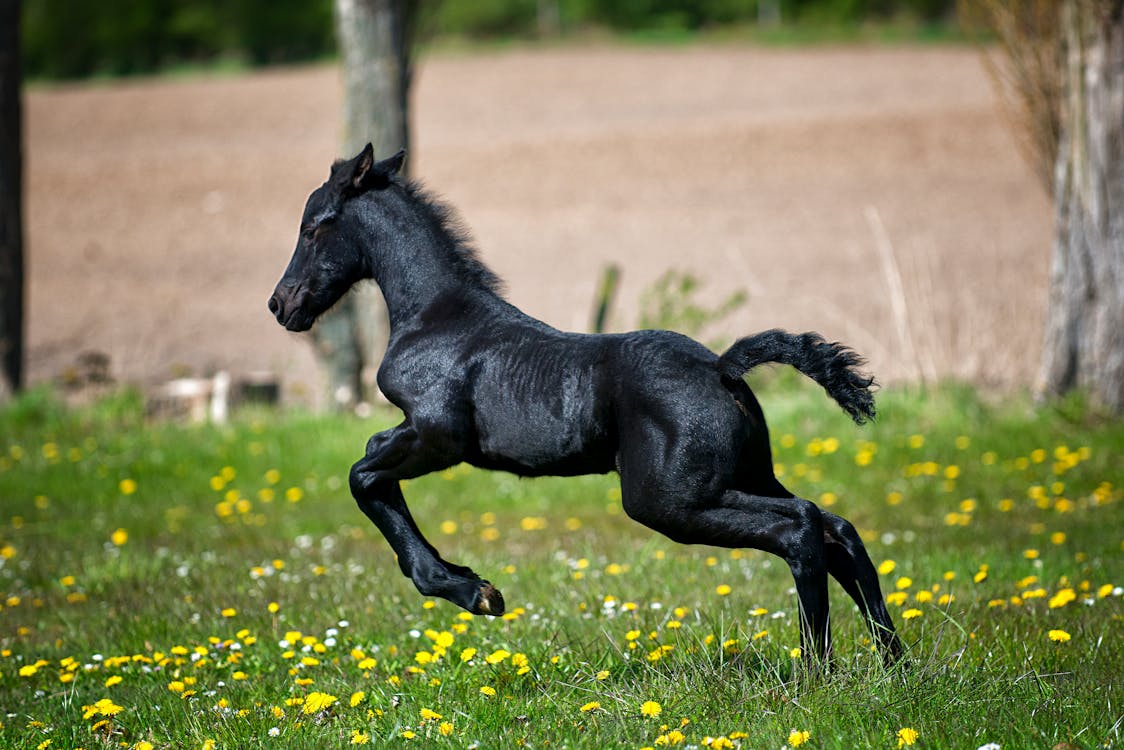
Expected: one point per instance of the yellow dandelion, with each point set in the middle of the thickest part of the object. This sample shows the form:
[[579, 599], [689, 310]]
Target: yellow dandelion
[[357, 698], [797, 737], [591, 706], [360, 738], [911, 613], [119, 537], [723, 590], [651, 709], [497, 656], [1058, 636], [490, 692], [127, 486], [445, 728], [316, 701], [907, 736], [886, 567]]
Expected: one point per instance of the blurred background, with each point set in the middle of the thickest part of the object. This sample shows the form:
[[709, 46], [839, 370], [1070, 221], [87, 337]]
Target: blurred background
[[845, 166]]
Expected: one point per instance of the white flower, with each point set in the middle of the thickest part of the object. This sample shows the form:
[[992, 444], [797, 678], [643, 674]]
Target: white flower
[[274, 731], [989, 746]]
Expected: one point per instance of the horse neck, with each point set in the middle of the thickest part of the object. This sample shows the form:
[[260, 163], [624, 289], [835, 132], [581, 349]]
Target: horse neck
[[414, 261]]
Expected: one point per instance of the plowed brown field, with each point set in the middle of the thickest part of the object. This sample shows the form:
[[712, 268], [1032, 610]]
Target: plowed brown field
[[161, 212]]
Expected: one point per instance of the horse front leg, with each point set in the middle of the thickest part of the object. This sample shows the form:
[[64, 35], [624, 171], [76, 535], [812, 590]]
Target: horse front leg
[[399, 454]]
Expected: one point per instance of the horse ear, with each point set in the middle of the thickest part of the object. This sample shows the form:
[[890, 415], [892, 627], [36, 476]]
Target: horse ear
[[369, 174], [393, 165], [361, 173]]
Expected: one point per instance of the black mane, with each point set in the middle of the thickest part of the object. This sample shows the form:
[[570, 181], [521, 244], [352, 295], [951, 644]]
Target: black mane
[[448, 224]]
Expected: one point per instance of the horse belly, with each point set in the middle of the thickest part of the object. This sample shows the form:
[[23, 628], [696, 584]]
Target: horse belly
[[544, 431]]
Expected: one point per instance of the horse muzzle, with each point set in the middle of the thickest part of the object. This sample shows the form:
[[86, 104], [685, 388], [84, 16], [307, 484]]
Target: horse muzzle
[[288, 305]]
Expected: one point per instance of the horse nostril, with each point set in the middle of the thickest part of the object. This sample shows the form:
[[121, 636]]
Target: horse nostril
[[274, 304]]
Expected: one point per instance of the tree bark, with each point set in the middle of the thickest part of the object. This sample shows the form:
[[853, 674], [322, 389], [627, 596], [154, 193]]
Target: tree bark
[[374, 39], [11, 210], [1084, 337]]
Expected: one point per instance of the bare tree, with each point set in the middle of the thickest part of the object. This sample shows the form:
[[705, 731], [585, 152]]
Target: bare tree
[[1064, 73], [375, 47], [11, 212], [1084, 342]]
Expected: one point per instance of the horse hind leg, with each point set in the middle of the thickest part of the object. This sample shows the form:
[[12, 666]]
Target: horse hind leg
[[789, 528], [850, 565]]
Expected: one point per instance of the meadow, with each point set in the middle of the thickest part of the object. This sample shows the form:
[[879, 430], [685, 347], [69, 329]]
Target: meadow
[[173, 586]]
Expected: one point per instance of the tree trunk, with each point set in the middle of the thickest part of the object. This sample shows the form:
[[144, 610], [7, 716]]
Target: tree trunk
[[374, 39], [1084, 340], [11, 212]]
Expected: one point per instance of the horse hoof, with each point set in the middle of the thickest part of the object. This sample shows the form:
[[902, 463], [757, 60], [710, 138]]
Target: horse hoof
[[489, 601]]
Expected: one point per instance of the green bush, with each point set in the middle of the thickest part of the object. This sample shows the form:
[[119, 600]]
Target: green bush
[[68, 39]]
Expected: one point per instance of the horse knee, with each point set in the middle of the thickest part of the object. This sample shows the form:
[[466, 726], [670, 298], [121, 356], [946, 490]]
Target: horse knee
[[839, 530], [361, 479]]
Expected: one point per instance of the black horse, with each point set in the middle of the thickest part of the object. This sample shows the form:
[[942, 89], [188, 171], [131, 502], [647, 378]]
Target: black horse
[[480, 381]]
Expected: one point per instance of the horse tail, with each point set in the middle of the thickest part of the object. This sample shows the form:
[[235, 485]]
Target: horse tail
[[832, 365]]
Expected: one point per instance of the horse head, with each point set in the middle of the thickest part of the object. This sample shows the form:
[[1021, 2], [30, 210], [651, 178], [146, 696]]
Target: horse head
[[329, 256]]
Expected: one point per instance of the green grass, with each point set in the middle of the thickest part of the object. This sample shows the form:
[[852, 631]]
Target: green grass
[[168, 569]]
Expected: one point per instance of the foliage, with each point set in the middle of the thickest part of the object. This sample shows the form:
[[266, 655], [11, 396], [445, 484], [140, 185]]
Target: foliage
[[173, 586], [64, 39], [670, 304]]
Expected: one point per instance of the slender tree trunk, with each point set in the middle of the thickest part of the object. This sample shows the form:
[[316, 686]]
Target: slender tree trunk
[[1084, 339], [374, 39], [11, 212]]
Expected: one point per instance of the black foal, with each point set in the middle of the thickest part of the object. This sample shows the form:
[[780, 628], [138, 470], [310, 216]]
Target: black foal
[[479, 381]]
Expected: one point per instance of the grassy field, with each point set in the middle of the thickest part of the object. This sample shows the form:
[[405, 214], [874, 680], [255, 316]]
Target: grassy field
[[167, 586]]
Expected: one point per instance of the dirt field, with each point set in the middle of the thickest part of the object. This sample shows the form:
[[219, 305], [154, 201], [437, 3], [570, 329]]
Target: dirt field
[[160, 213]]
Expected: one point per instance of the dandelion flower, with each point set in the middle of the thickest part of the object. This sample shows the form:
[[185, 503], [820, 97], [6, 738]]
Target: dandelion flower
[[910, 613], [127, 486], [103, 707], [429, 715], [796, 737], [723, 589], [1059, 636], [591, 706], [907, 736], [497, 656], [488, 691], [887, 567], [445, 728], [651, 708], [359, 738], [317, 702], [119, 537]]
